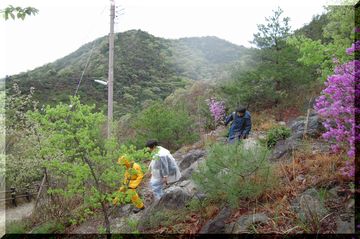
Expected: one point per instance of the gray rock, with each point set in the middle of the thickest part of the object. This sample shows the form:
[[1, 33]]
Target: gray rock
[[122, 225], [311, 209], [243, 223], [217, 225], [344, 227], [283, 149], [186, 174], [173, 198], [314, 127], [189, 158], [296, 202], [333, 192], [300, 178], [189, 186]]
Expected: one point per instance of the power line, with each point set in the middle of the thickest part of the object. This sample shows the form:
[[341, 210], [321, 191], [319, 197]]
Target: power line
[[88, 59], [86, 66]]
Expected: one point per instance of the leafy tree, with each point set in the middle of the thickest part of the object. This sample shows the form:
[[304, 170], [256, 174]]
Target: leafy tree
[[269, 81], [193, 100], [18, 12], [170, 127], [273, 34], [23, 163], [339, 32], [82, 162]]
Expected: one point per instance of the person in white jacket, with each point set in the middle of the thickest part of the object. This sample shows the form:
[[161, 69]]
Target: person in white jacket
[[163, 167]]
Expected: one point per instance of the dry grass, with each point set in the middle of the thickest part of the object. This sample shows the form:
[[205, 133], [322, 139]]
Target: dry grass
[[262, 121], [305, 171]]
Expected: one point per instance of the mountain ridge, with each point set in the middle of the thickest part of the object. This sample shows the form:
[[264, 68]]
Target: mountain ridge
[[146, 68]]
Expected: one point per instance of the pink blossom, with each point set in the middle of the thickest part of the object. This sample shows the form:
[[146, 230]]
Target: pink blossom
[[336, 105], [217, 109]]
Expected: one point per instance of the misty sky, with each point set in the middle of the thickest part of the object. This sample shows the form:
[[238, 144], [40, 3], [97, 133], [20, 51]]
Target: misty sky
[[62, 26]]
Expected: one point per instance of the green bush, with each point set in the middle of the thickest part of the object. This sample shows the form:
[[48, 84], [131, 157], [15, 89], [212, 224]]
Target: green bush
[[49, 227], [275, 134], [17, 227], [233, 172], [172, 128]]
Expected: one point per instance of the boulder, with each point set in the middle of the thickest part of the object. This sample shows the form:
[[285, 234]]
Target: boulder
[[175, 197], [243, 223], [186, 174], [345, 226], [308, 206], [311, 209], [283, 149], [217, 224], [188, 159], [314, 127]]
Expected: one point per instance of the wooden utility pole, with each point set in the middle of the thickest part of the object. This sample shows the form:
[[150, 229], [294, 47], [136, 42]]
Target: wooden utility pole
[[111, 69]]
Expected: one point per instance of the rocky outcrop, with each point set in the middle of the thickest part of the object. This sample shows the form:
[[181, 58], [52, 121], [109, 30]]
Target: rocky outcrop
[[309, 207], [283, 148], [314, 126], [188, 159], [176, 195], [217, 225], [244, 222]]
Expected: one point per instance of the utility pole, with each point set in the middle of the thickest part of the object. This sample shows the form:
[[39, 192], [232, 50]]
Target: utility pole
[[111, 69]]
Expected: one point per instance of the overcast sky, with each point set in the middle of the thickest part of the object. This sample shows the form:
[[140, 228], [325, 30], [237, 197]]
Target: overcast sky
[[62, 26]]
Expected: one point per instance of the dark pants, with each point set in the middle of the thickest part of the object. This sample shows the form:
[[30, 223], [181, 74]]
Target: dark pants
[[238, 136]]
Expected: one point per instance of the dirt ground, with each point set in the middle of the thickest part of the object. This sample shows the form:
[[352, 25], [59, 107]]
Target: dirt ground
[[14, 214]]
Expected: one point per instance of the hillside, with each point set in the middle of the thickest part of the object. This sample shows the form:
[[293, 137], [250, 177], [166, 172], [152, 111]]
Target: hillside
[[146, 68]]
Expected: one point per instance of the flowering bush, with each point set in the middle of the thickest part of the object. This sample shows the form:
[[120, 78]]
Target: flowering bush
[[337, 106], [217, 109]]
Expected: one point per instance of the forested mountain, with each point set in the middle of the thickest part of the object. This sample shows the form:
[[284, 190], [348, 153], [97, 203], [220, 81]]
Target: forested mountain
[[146, 68]]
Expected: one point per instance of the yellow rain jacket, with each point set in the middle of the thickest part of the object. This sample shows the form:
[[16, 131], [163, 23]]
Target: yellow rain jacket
[[132, 179]]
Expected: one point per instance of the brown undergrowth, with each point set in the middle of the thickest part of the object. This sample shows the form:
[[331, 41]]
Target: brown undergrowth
[[303, 172]]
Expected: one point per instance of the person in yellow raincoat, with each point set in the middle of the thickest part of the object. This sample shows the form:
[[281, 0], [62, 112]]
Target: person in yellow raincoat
[[132, 179]]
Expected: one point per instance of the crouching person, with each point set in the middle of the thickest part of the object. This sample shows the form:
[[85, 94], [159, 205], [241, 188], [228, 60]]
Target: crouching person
[[132, 179], [163, 167]]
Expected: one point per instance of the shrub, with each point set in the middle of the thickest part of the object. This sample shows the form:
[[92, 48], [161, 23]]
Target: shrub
[[49, 227], [17, 227], [336, 105], [233, 172], [275, 134], [172, 128]]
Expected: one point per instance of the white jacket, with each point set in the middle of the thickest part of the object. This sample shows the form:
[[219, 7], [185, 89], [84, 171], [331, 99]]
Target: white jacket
[[163, 164]]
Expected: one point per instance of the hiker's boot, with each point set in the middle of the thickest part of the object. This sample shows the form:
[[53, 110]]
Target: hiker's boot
[[136, 210]]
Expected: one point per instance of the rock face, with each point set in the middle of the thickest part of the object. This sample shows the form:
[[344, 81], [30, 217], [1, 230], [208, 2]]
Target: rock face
[[174, 198], [217, 225], [314, 126], [243, 223], [189, 158], [309, 207], [345, 226], [284, 148], [189, 162]]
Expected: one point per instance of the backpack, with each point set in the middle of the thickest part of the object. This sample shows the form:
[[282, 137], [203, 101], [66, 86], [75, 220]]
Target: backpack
[[232, 122]]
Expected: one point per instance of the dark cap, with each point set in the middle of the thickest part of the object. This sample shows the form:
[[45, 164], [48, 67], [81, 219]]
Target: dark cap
[[241, 109], [151, 143]]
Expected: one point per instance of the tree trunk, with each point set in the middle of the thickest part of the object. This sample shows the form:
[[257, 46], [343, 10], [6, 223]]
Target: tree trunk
[[103, 206], [106, 218]]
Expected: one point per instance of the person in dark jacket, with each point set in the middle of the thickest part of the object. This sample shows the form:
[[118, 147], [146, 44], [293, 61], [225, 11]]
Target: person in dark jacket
[[241, 124]]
